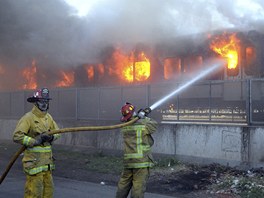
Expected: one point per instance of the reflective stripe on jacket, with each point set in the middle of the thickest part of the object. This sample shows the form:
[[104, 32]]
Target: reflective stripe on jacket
[[138, 142], [36, 158]]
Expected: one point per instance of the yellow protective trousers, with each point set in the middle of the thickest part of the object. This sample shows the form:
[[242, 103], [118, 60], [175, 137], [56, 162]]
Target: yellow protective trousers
[[39, 185], [135, 178]]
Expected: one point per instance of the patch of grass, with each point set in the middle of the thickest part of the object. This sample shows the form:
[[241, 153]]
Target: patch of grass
[[166, 162], [104, 164], [97, 161], [111, 164], [168, 165]]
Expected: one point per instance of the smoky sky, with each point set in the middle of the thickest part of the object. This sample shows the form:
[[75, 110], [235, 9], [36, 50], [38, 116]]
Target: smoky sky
[[51, 32]]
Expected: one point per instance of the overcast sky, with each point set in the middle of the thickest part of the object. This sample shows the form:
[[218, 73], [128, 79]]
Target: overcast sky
[[72, 33]]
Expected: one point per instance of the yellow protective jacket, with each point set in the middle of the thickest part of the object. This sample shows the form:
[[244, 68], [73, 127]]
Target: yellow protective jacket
[[36, 158], [138, 142]]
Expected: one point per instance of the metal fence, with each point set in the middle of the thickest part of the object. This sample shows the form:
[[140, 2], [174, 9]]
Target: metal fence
[[237, 101]]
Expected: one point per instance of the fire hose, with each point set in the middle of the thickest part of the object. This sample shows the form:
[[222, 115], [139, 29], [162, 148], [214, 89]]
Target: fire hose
[[65, 130], [197, 77]]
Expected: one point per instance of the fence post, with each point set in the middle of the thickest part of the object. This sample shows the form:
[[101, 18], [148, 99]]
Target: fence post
[[248, 103]]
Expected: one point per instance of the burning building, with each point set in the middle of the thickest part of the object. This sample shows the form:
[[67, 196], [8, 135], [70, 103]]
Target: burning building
[[155, 70], [173, 61]]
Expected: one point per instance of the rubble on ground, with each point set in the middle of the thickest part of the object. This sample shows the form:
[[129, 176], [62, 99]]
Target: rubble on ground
[[215, 179]]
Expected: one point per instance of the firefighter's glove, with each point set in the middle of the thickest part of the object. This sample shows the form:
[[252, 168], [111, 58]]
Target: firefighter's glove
[[46, 137], [141, 114], [38, 140]]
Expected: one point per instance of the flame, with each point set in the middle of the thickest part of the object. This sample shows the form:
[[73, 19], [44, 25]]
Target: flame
[[67, 79], [90, 71], [172, 68], [128, 73], [128, 69], [101, 69], [123, 66], [250, 55], [227, 46], [142, 68], [29, 73]]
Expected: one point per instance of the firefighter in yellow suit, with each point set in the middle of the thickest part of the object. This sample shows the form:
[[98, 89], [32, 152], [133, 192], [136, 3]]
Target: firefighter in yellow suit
[[31, 131], [137, 152]]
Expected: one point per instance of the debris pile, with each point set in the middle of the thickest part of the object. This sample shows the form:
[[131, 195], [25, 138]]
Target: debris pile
[[215, 179]]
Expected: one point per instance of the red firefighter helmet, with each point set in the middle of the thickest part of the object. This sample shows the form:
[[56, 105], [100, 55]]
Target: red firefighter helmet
[[127, 111], [39, 94]]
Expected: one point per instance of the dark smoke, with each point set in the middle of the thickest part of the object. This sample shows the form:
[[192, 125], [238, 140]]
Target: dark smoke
[[48, 31], [51, 32], [39, 29]]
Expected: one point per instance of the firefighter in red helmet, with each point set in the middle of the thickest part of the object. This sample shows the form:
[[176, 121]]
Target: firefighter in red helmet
[[31, 131], [137, 152]]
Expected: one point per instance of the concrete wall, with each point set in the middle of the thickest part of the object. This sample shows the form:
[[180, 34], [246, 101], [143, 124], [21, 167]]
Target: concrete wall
[[228, 145]]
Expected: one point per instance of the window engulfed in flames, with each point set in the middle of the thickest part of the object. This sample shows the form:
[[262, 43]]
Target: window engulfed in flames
[[227, 46], [131, 67], [128, 68], [89, 71], [251, 64], [250, 56], [29, 74], [142, 67], [121, 67], [172, 68], [66, 80]]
